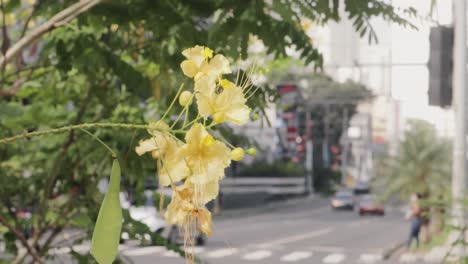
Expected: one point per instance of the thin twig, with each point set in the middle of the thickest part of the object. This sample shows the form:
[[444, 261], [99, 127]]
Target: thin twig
[[57, 20], [22, 239]]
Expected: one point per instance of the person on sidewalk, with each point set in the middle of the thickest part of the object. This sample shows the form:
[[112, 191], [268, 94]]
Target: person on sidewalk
[[414, 214]]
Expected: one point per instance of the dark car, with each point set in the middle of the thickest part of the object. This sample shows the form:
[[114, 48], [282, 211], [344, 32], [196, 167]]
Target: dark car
[[343, 200], [370, 205]]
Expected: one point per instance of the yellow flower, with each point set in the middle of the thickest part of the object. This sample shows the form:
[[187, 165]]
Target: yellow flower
[[183, 211], [180, 206], [162, 146], [197, 63], [217, 66], [229, 105], [206, 157]]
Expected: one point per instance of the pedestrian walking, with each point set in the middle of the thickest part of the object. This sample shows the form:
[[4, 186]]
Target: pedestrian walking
[[414, 214]]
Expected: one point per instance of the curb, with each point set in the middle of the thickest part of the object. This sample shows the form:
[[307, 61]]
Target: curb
[[391, 250], [267, 207]]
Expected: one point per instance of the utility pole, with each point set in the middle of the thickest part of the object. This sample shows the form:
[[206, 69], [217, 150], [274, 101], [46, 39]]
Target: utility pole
[[309, 180], [344, 147], [459, 105]]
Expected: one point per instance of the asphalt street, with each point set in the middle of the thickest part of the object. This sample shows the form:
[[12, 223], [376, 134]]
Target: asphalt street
[[298, 233]]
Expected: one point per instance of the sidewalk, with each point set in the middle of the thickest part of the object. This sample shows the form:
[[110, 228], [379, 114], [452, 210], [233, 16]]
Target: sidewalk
[[435, 255]]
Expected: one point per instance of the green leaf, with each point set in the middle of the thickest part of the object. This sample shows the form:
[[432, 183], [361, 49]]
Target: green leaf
[[106, 236]]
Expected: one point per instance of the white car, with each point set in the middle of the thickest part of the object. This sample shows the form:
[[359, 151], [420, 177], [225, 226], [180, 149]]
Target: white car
[[151, 217]]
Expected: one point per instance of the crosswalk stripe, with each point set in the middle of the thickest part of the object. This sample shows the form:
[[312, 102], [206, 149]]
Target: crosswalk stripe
[[295, 256], [334, 258], [370, 258], [408, 258], [257, 255], [142, 251], [195, 250], [220, 253], [170, 254]]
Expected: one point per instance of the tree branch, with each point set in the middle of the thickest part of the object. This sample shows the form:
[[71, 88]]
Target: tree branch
[[22, 239], [57, 20]]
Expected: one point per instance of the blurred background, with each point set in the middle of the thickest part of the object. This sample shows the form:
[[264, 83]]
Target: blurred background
[[353, 125]]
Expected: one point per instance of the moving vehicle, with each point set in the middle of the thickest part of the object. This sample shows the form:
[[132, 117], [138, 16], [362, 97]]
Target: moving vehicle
[[343, 200], [370, 205]]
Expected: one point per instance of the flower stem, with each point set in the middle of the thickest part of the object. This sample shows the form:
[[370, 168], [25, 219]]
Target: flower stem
[[173, 101], [71, 127], [114, 155]]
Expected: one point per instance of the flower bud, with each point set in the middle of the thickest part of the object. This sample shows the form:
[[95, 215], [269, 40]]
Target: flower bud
[[219, 117], [254, 117], [237, 154], [252, 152], [156, 154], [185, 98]]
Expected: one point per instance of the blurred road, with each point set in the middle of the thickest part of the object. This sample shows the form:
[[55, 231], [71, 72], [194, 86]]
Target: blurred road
[[302, 233]]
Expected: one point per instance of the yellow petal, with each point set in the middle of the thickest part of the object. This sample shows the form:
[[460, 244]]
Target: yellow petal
[[205, 104], [232, 102], [205, 84], [195, 54], [219, 117], [189, 68], [195, 134], [204, 221], [174, 168], [220, 64], [146, 145]]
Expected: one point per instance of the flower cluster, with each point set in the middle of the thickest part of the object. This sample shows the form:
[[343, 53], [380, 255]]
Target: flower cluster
[[194, 166]]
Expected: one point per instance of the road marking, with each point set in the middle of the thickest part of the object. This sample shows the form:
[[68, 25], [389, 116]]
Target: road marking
[[257, 255], [295, 238], [327, 249], [358, 223], [408, 258], [334, 258], [295, 256], [220, 253], [194, 250], [370, 258], [143, 251]]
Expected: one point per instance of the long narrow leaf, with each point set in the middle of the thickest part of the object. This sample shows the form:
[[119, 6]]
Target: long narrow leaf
[[106, 236]]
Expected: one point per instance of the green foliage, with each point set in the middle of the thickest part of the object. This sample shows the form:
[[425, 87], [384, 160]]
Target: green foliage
[[91, 71], [277, 169], [422, 164]]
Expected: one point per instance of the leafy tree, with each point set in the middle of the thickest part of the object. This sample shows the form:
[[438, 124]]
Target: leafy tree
[[331, 105], [422, 165], [115, 61]]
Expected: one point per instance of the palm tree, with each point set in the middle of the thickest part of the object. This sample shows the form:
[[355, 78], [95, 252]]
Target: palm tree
[[422, 164]]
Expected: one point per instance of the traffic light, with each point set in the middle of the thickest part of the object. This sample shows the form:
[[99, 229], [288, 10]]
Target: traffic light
[[440, 66]]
